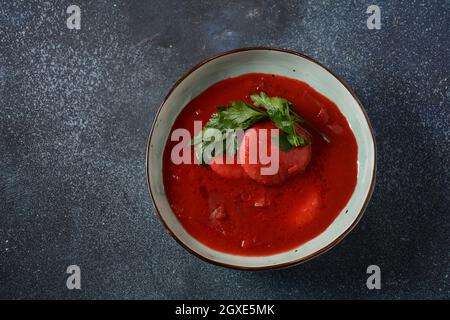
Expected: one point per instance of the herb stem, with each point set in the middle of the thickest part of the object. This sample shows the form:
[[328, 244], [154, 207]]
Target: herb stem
[[302, 120]]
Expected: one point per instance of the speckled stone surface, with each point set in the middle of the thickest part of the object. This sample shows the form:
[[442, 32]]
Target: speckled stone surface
[[76, 107]]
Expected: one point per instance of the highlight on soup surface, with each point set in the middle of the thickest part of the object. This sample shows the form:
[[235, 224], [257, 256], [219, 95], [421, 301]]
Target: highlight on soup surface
[[259, 164]]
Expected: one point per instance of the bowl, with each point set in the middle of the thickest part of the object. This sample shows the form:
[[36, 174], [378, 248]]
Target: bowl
[[272, 61]]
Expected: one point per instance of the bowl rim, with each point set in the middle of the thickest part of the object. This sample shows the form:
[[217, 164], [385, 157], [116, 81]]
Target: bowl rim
[[285, 264]]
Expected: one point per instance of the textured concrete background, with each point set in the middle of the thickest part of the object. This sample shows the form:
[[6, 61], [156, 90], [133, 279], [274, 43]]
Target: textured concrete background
[[76, 108]]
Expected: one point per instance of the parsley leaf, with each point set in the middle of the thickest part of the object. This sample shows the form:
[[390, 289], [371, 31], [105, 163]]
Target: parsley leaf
[[280, 112], [239, 115], [283, 143]]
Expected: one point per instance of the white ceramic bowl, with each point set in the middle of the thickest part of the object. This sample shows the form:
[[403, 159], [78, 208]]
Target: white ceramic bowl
[[272, 61]]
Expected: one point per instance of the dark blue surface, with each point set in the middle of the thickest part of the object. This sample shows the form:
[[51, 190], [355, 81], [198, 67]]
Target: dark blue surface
[[76, 108]]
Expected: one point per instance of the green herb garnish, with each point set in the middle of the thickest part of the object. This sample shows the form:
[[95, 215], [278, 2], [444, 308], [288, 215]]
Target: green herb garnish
[[240, 116], [282, 115]]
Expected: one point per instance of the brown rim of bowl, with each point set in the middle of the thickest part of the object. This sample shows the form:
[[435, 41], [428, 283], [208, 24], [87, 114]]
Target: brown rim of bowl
[[281, 265]]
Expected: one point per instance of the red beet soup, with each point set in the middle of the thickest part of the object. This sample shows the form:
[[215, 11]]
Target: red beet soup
[[242, 216]]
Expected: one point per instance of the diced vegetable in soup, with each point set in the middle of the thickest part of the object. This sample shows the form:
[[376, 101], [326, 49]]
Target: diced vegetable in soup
[[272, 166]]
